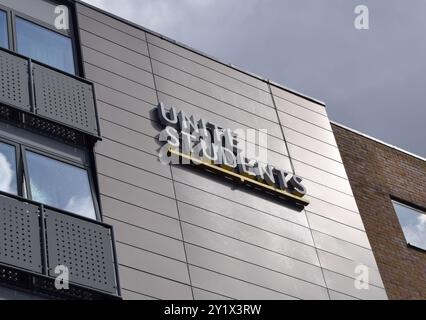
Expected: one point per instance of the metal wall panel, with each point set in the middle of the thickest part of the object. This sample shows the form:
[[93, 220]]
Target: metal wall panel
[[112, 49], [232, 287], [348, 268], [153, 286], [120, 83], [152, 39], [214, 91], [119, 37], [205, 295], [253, 254], [137, 216], [307, 128], [338, 230], [140, 197], [207, 103], [239, 194], [210, 75], [134, 176], [322, 177], [284, 94], [116, 66], [147, 240], [112, 22], [232, 210], [344, 249], [317, 161], [152, 263], [302, 113], [336, 213], [260, 276], [247, 234], [133, 157], [239, 243], [346, 285], [275, 144], [312, 144]]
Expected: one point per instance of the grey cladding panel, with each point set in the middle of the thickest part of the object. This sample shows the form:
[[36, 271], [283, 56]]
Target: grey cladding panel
[[112, 34], [19, 234], [152, 263], [64, 99], [154, 286], [110, 21], [231, 287], [110, 48], [14, 81], [85, 248], [254, 274]]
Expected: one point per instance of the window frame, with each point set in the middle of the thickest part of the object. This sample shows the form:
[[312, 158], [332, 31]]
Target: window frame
[[9, 27], [12, 14], [22, 172], [412, 207], [19, 182]]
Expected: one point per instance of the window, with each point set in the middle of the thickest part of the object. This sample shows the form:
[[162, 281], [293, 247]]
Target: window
[[8, 169], [41, 10], [46, 171], [41, 29], [4, 42], [413, 223], [60, 185], [44, 45]]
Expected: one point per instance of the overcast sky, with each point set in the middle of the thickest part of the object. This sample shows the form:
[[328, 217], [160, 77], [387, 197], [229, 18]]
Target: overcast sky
[[371, 80]]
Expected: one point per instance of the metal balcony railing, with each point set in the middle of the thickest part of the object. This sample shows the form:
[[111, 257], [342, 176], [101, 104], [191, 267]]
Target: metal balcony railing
[[36, 241], [42, 91]]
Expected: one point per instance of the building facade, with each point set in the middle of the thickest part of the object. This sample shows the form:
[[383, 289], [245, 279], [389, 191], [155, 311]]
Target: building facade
[[390, 189], [84, 185]]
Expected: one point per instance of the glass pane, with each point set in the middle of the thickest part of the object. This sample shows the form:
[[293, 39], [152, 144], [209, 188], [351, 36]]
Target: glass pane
[[44, 45], [60, 185], [8, 168], [4, 43], [413, 223], [43, 10]]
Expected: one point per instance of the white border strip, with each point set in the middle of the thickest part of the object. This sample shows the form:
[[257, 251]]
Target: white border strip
[[379, 141]]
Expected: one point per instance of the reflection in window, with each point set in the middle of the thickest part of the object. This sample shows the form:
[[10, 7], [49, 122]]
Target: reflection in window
[[4, 43], [44, 45], [60, 185], [8, 168], [413, 223]]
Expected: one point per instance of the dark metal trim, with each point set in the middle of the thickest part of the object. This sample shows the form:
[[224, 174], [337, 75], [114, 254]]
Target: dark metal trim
[[43, 241], [114, 253], [408, 203]]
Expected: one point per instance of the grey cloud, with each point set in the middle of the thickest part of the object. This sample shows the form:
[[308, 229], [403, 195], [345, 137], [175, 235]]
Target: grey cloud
[[372, 80]]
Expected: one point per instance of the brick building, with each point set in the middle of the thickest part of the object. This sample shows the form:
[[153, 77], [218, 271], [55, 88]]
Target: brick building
[[381, 176]]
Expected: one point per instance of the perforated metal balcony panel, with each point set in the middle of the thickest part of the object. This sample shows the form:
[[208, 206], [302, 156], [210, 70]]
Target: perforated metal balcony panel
[[64, 99], [14, 81], [19, 234], [84, 248]]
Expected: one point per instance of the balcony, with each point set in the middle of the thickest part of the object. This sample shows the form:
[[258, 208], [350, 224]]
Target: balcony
[[35, 239], [46, 99]]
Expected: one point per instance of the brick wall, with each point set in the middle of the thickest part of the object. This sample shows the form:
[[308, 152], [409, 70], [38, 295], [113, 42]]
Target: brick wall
[[377, 172]]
